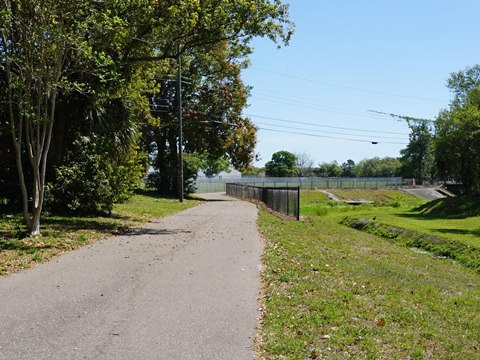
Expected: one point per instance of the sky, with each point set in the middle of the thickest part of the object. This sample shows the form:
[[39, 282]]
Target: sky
[[349, 60]]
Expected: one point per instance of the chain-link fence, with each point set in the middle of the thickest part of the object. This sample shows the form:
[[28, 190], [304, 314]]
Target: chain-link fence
[[285, 200], [218, 185]]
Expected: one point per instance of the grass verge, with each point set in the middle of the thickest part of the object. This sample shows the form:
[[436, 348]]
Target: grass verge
[[446, 227], [331, 292], [64, 233], [464, 253]]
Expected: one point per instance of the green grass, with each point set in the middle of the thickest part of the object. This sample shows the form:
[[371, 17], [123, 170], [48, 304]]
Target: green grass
[[457, 219], [447, 227], [65, 233], [391, 198], [452, 208], [332, 292]]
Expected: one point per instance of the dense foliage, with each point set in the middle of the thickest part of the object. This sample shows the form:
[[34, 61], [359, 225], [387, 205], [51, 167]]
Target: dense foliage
[[458, 141], [417, 158], [213, 97], [281, 165], [71, 71], [373, 167], [91, 182]]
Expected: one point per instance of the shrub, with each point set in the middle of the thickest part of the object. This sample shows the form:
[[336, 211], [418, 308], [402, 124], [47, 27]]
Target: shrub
[[91, 182]]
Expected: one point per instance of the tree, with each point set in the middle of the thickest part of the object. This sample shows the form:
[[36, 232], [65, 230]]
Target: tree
[[85, 56], [214, 167], [379, 167], [418, 158], [37, 40], [281, 165], [213, 126], [213, 46], [254, 171], [304, 164], [461, 82], [331, 169], [348, 168], [457, 141]]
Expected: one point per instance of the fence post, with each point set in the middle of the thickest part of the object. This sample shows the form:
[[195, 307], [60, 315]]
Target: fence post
[[298, 203], [288, 200]]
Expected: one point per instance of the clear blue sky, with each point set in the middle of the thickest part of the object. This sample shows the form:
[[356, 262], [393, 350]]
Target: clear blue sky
[[349, 57]]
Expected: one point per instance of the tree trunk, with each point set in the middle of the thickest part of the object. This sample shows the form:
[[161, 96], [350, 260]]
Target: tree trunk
[[34, 228], [167, 162]]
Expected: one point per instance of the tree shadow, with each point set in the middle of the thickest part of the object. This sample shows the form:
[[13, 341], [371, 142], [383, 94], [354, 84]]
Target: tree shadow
[[459, 231], [107, 224], [75, 223], [459, 207], [146, 231], [160, 195], [15, 244], [154, 194], [216, 200]]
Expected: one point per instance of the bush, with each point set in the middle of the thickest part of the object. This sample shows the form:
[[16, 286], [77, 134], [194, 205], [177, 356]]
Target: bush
[[91, 182]]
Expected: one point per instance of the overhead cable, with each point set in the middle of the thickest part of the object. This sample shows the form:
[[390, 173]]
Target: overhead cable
[[347, 87], [329, 132], [332, 137], [325, 126]]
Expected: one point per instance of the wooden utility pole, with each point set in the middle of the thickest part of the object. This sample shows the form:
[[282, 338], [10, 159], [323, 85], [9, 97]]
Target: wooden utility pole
[[180, 125]]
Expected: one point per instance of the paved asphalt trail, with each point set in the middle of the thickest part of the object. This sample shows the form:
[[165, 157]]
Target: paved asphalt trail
[[183, 287]]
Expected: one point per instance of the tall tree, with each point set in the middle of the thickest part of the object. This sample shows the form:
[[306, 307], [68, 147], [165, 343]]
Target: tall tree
[[281, 165], [37, 40], [107, 51], [303, 164], [213, 98], [418, 158], [379, 167], [331, 169], [457, 141], [461, 82], [348, 168]]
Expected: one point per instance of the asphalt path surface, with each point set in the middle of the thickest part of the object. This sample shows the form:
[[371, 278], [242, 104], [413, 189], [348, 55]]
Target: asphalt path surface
[[182, 287]]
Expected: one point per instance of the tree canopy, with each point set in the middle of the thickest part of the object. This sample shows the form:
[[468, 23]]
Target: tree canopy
[[331, 169], [37, 43], [303, 163], [457, 141], [417, 158], [281, 165], [100, 71], [378, 167]]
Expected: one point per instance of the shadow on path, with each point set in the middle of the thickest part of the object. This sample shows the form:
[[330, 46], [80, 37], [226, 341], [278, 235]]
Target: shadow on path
[[144, 231]]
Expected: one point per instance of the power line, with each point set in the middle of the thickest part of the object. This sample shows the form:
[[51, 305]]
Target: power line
[[325, 126], [327, 108], [402, 117], [332, 137], [288, 96], [316, 107], [329, 132], [347, 87]]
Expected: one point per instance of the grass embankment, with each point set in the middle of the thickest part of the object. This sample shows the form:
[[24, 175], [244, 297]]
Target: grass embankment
[[332, 292], [65, 233], [456, 218], [446, 227]]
